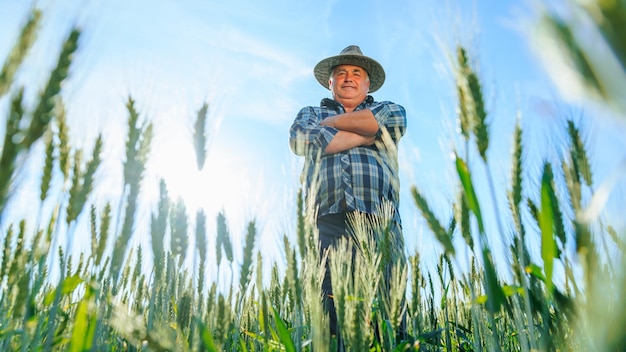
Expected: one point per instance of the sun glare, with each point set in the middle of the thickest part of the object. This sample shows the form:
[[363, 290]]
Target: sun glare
[[217, 187]]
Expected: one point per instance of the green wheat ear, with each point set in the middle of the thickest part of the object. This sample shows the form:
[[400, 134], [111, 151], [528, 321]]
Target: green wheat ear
[[93, 229], [472, 102], [300, 220], [246, 266], [200, 137], [63, 140], [138, 144], [81, 265], [465, 123], [6, 252], [44, 111], [178, 234], [46, 176], [516, 168], [462, 214], [13, 145], [222, 231], [82, 181], [183, 318], [105, 223], [201, 243], [223, 239], [72, 205], [17, 261], [417, 282], [293, 288], [19, 51], [124, 281], [138, 265], [578, 153]]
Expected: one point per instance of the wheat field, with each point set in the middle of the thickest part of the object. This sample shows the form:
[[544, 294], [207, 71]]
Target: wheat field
[[103, 299]]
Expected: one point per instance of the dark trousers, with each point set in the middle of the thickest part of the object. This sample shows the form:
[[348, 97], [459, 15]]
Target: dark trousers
[[332, 228]]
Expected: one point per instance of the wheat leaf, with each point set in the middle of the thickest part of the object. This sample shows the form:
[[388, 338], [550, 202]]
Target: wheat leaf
[[546, 222], [283, 333], [440, 233], [206, 338], [85, 322], [68, 286], [494, 290]]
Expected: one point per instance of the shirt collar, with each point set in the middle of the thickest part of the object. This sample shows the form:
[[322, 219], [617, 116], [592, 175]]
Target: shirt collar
[[335, 105]]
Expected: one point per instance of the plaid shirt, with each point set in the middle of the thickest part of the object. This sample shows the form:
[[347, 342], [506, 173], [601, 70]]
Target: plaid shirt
[[359, 179]]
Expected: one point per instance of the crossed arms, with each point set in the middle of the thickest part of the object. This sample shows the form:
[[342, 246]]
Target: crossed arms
[[310, 135], [355, 128]]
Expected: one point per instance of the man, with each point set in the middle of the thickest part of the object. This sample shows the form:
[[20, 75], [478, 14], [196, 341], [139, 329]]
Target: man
[[350, 147]]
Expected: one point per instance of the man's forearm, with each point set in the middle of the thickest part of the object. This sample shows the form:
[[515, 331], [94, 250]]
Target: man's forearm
[[345, 140], [360, 122]]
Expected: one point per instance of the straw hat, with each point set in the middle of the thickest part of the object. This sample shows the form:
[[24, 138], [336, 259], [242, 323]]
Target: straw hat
[[352, 55]]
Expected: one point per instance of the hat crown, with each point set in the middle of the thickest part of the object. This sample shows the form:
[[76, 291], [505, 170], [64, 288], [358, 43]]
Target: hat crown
[[351, 50]]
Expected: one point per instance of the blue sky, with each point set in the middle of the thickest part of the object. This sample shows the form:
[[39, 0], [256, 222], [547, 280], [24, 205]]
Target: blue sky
[[252, 62]]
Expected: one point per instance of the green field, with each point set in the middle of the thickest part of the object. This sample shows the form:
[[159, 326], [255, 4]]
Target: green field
[[103, 299]]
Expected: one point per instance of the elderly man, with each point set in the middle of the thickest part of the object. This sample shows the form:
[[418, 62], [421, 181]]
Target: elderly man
[[349, 143]]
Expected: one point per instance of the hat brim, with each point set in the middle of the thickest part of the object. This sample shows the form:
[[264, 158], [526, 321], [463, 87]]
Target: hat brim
[[375, 71]]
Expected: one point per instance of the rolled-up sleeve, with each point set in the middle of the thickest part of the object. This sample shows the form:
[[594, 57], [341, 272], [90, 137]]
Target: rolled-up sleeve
[[390, 116], [306, 136]]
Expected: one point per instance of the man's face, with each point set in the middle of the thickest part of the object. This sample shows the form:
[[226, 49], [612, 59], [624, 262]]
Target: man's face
[[349, 83]]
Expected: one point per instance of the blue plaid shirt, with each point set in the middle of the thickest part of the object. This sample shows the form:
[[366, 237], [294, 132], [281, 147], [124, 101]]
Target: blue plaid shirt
[[359, 179]]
